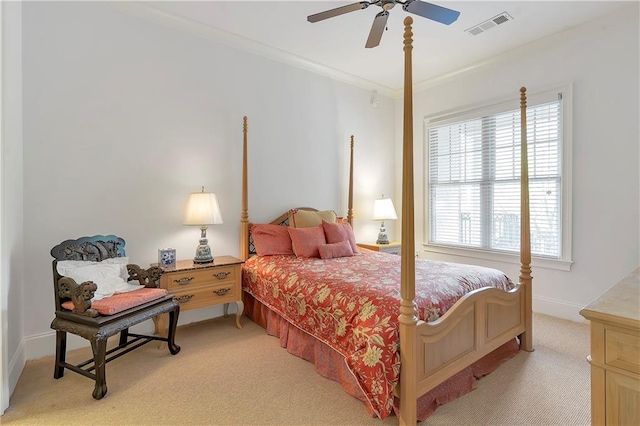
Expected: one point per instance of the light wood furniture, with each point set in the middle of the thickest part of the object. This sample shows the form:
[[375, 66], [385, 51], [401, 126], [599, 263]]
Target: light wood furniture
[[615, 353], [197, 285], [393, 247], [97, 328], [479, 322]]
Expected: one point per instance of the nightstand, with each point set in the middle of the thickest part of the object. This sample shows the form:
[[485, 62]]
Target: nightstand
[[196, 285], [393, 247]]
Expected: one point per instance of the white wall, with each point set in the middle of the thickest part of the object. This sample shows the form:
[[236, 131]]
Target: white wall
[[11, 195], [601, 60], [123, 118]]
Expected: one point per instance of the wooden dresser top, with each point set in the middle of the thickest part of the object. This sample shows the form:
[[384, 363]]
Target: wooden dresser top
[[621, 303]]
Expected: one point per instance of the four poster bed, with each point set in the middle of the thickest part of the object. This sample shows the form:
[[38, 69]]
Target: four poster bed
[[404, 351]]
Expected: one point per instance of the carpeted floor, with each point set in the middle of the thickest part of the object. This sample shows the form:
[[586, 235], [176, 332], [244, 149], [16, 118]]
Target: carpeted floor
[[227, 376]]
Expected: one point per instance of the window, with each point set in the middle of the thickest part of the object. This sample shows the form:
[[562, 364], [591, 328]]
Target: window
[[473, 179]]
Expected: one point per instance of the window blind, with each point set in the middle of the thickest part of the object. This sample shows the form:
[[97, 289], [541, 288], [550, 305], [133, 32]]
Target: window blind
[[474, 181]]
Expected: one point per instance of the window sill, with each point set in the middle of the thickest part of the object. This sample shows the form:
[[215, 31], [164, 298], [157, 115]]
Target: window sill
[[539, 262]]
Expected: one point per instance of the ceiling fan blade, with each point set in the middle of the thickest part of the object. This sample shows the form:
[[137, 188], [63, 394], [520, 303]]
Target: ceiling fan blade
[[338, 11], [379, 24], [431, 11]]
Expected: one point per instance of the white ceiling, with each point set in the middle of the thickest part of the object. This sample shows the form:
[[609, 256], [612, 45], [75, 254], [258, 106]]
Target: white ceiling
[[336, 46]]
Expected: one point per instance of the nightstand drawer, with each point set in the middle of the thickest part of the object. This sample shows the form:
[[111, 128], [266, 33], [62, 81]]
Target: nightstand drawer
[[207, 296], [179, 281]]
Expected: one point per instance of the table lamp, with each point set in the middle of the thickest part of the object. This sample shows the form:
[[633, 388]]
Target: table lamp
[[383, 210], [202, 210]]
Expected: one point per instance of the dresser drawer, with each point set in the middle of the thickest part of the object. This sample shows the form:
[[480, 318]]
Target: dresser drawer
[[622, 349], [207, 296], [179, 281]]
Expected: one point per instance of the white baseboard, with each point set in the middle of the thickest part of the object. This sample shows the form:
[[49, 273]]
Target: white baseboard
[[558, 308], [16, 365]]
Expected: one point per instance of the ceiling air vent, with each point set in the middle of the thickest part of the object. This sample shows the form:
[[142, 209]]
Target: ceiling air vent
[[489, 23]]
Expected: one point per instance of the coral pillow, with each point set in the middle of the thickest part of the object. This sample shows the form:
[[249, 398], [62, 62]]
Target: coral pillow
[[271, 240], [308, 218], [329, 251], [306, 240], [338, 232], [122, 301]]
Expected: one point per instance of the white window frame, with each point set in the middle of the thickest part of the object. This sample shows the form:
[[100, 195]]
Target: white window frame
[[565, 261]]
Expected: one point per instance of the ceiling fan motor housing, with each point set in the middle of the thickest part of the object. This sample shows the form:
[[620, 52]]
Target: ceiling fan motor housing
[[387, 4]]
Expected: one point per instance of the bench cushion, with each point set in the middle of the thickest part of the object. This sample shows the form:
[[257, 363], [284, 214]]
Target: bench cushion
[[122, 301]]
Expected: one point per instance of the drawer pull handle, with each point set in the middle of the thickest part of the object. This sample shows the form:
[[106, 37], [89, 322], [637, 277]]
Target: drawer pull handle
[[183, 281], [185, 298], [222, 291], [221, 275]]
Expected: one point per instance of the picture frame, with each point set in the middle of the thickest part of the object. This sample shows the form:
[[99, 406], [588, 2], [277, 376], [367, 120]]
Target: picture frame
[[167, 257]]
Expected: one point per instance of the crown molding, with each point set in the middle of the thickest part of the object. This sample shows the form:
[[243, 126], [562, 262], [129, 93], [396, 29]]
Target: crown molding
[[151, 13], [156, 15]]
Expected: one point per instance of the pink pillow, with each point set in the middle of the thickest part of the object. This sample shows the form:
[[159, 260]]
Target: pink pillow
[[338, 232], [271, 240], [306, 240], [122, 301], [341, 249]]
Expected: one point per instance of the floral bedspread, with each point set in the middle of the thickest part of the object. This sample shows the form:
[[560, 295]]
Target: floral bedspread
[[352, 304]]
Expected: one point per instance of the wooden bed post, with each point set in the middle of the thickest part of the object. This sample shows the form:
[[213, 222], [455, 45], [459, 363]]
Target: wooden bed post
[[350, 201], [526, 339], [407, 318], [244, 213]]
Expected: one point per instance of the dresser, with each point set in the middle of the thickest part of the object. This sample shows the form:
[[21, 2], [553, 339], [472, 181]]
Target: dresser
[[196, 285], [615, 353]]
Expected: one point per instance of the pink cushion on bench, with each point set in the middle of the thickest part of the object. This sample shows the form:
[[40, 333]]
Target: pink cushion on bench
[[122, 301]]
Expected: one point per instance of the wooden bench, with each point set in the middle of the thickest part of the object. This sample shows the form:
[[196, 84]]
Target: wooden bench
[[75, 313]]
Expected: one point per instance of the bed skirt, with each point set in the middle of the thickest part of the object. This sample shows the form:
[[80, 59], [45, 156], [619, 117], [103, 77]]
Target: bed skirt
[[331, 364]]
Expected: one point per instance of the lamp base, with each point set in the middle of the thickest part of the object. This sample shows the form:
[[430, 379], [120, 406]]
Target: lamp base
[[382, 235], [203, 251], [203, 254]]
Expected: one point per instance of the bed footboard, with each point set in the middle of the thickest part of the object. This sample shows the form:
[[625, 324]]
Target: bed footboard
[[477, 324]]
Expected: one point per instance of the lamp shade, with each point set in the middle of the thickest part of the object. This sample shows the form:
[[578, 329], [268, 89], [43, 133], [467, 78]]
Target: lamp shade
[[202, 209], [383, 209]]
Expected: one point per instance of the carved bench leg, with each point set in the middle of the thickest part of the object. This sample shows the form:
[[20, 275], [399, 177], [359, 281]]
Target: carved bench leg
[[173, 321], [61, 353], [99, 348]]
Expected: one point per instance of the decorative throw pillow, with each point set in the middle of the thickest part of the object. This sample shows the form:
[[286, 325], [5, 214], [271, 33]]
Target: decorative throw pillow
[[330, 251], [306, 240], [338, 232], [307, 218], [271, 240]]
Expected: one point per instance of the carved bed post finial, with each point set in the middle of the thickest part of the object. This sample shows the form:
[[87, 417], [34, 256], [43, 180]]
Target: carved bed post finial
[[526, 340], [408, 319], [350, 201], [244, 213]]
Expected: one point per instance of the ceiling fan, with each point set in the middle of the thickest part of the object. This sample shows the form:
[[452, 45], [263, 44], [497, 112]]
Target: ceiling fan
[[417, 7]]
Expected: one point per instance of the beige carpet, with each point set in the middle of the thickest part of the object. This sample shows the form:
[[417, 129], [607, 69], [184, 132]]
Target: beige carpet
[[227, 376]]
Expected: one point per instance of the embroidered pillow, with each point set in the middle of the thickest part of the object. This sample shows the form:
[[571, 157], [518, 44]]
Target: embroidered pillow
[[306, 241], [271, 240], [330, 251], [338, 232], [307, 218]]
